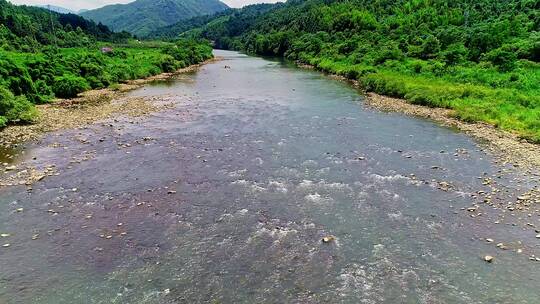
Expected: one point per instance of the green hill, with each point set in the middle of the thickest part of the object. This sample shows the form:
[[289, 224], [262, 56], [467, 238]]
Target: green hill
[[237, 19], [27, 28], [143, 16]]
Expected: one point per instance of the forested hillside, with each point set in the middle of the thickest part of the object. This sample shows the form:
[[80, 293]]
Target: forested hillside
[[27, 28], [218, 27], [143, 16], [44, 54], [480, 58]]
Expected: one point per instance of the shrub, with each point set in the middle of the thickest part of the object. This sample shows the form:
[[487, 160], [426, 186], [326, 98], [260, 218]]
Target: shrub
[[69, 86], [454, 54], [115, 87], [503, 59], [15, 109], [168, 64], [44, 90], [436, 68], [389, 51], [429, 48]]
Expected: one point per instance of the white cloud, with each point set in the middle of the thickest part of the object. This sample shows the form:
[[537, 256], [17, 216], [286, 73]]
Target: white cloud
[[90, 4]]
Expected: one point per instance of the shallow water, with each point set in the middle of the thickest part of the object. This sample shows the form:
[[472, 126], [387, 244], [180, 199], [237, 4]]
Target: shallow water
[[10, 155], [225, 199]]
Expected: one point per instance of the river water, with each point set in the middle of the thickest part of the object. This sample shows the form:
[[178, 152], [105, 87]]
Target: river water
[[225, 198]]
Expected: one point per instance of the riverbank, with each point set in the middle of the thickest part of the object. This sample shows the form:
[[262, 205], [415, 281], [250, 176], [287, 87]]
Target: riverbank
[[30, 79], [91, 106]]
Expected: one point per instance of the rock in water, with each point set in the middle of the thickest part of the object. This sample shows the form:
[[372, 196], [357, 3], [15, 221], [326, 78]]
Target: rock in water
[[328, 239], [489, 258]]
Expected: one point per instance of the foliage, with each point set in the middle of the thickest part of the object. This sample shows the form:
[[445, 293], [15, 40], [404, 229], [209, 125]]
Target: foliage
[[15, 109], [143, 16], [68, 86], [44, 54], [172, 32], [26, 28], [218, 27]]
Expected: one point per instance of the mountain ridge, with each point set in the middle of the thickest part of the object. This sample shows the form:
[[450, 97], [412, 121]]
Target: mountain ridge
[[143, 16], [56, 8]]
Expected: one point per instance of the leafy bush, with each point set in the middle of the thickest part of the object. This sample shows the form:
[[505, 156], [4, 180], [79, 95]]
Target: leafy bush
[[167, 63], [455, 53], [15, 109], [389, 51], [69, 86], [505, 60]]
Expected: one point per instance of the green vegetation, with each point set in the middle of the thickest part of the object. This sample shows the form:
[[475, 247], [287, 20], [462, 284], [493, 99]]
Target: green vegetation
[[27, 29], [143, 16], [220, 27], [480, 58], [15, 109], [38, 64]]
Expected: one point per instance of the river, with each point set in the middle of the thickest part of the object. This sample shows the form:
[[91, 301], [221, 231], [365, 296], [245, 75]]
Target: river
[[225, 197]]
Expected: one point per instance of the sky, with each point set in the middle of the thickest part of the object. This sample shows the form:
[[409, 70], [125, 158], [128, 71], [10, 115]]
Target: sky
[[90, 4]]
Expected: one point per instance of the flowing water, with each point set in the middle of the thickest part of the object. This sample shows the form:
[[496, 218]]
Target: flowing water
[[226, 196]]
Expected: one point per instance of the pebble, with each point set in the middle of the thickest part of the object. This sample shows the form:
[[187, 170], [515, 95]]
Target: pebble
[[328, 239]]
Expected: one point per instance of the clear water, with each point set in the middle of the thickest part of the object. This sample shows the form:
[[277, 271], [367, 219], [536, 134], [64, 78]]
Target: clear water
[[225, 199]]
